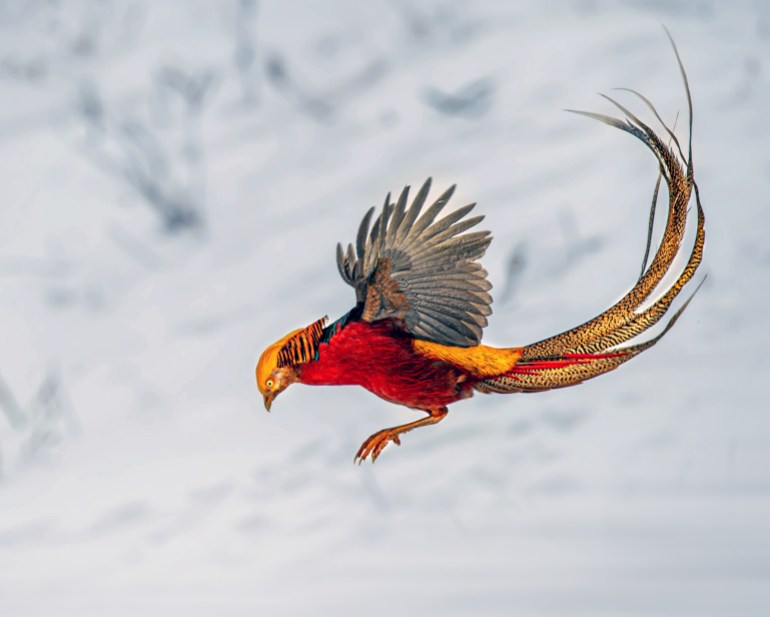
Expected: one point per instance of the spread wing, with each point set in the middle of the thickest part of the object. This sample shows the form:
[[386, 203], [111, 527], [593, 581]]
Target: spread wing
[[420, 270]]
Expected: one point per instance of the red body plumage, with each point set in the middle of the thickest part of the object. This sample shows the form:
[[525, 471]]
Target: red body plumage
[[379, 357]]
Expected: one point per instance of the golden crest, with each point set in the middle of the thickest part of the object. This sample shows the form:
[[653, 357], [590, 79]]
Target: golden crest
[[297, 347]]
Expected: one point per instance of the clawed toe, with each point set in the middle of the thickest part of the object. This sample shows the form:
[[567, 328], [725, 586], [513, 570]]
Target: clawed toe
[[373, 447]]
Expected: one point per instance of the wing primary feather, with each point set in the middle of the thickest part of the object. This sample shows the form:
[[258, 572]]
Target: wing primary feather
[[351, 264], [450, 285], [341, 263], [450, 222], [401, 206], [409, 218], [431, 261], [464, 247], [466, 301], [446, 234], [457, 311], [419, 202], [395, 220], [371, 248], [433, 211], [384, 218], [451, 281], [470, 302], [363, 231]]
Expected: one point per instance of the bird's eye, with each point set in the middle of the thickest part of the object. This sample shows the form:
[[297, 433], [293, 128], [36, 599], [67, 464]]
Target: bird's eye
[[269, 383]]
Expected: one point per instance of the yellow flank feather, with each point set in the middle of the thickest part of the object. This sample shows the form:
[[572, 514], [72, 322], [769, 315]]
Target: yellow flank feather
[[480, 361]]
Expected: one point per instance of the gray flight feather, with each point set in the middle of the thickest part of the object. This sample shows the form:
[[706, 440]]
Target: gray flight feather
[[421, 270]]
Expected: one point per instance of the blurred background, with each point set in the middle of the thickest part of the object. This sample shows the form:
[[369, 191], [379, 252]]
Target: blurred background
[[175, 178]]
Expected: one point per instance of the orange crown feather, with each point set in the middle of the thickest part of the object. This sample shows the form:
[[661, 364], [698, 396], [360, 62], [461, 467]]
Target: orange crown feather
[[297, 347]]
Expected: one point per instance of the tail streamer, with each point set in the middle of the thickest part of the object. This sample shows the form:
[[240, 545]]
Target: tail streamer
[[596, 346]]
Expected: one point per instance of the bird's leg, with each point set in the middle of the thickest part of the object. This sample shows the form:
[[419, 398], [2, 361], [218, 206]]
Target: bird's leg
[[373, 446]]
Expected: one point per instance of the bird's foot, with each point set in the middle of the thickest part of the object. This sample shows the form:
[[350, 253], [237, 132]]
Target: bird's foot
[[374, 446]]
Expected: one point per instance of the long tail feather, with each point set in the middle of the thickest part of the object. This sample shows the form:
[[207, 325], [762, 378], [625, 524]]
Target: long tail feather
[[594, 347]]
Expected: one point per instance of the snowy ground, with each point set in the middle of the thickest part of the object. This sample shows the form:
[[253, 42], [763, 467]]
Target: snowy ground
[[175, 178]]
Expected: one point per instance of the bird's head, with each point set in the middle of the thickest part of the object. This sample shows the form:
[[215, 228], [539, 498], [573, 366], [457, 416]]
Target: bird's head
[[278, 366]]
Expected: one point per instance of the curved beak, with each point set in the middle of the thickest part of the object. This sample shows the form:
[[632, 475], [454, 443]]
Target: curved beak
[[269, 400]]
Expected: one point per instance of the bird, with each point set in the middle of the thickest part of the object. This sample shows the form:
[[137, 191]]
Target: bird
[[413, 337]]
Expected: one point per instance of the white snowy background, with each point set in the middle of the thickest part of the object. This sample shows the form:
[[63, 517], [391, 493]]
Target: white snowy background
[[175, 176]]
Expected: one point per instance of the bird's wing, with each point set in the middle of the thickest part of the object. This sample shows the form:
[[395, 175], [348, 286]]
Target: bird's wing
[[421, 271]]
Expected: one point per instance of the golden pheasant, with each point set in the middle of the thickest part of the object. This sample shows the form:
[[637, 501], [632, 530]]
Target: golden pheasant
[[422, 300]]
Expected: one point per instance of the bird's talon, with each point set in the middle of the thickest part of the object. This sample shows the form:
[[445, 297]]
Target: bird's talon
[[373, 447]]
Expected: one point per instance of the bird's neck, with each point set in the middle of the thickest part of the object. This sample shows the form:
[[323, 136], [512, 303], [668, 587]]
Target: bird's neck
[[355, 353]]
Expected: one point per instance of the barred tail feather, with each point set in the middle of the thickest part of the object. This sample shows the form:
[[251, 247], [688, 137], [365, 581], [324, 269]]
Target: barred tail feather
[[570, 369], [595, 347], [542, 374]]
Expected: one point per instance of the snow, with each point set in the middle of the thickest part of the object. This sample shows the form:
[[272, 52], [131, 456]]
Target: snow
[[139, 473]]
